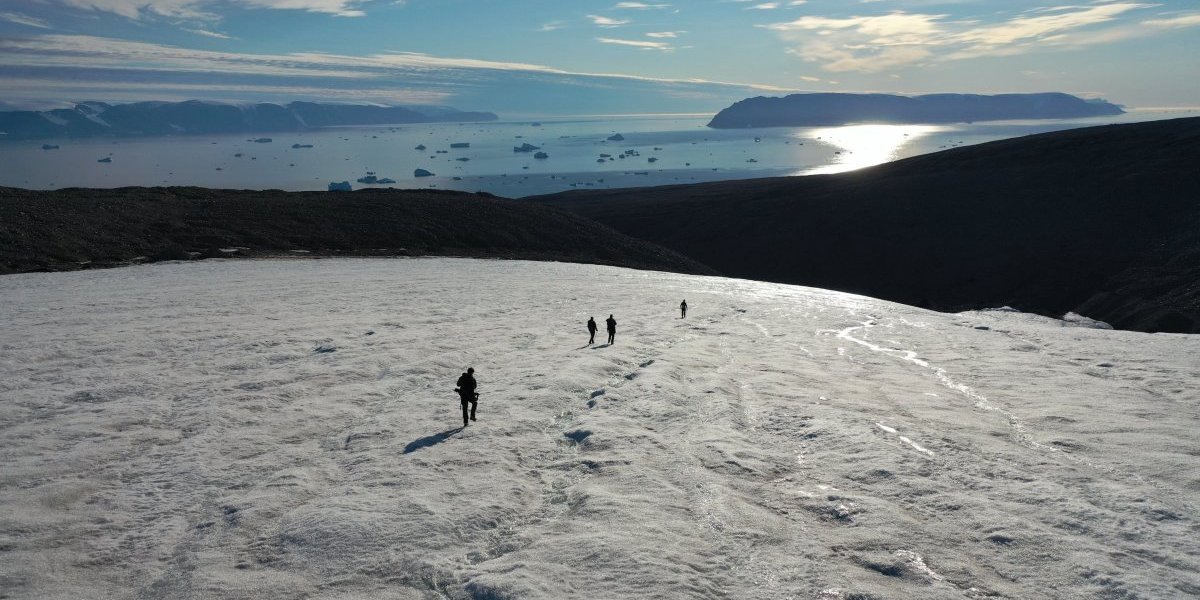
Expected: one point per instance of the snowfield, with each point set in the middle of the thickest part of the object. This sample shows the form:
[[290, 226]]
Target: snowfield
[[288, 429]]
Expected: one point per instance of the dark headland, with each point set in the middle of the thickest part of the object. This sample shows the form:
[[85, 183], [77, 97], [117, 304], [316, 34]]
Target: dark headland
[[1102, 221], [803, 110], [91, 119], [72, 229]]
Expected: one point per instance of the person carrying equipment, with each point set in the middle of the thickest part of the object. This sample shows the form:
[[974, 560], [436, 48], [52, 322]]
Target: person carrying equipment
[[466, 393]]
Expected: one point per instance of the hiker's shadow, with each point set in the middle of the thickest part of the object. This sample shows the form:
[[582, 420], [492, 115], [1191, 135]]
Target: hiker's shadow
[[430, 440], [600, 346]]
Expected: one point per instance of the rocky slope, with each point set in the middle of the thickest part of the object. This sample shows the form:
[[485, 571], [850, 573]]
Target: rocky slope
[[79, 228]]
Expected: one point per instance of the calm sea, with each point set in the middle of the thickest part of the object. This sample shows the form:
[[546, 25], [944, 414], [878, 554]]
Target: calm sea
[[655, 150]]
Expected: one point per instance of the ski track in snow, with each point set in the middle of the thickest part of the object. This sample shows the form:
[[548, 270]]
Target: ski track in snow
[[287, 429]]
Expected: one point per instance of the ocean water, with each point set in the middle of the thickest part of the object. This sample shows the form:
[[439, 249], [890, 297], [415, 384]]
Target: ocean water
[[656, 150]]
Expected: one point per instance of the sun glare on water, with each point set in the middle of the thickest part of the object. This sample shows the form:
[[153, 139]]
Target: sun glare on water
[[867, 145]]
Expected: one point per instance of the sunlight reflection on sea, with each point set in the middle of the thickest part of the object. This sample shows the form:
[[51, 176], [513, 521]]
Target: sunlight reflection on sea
[[867, 145]]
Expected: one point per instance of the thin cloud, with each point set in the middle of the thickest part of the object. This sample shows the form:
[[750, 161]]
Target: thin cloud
[[1178, 22], [211, 34], [602, 21], [640, 6], [196, 9], [552, 26], [764, 6], [106, 55], [26, 20], [643, 44], [664, 34]]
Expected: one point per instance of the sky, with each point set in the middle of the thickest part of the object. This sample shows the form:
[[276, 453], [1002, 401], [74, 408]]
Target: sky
[[551, 57]]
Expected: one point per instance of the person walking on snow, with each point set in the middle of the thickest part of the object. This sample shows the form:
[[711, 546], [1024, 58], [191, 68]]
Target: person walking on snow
[[466, 393], [592, 330], [612, 329], [683, 309]]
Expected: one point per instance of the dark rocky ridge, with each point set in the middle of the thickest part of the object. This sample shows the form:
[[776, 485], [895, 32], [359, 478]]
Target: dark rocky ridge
[[800, 110], [92, 119], [84, 228], [1103, 221]]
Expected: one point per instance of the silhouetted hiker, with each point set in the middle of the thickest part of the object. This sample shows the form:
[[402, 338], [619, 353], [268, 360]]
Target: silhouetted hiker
[[466, 393], [612, 329], [683, 309], [592, 330]]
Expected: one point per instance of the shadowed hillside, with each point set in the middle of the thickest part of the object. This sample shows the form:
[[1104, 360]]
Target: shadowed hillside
[[1104, 221], [79, 228]]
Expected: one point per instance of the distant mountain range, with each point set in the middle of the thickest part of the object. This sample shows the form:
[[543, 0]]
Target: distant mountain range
[[800, 110], [90, 119], [1101, 221]]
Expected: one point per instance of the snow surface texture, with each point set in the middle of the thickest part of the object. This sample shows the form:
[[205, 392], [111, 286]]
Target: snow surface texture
[[288, 429]]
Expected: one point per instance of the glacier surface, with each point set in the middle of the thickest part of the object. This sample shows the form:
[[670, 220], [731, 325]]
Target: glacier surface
[[288, 429]]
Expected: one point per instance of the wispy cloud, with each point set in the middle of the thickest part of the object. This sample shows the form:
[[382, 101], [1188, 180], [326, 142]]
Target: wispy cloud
[[107, 55], [764, 6], [643, 44], [198, 9], [50, 69], [26, 20], [602, 21], [883, 42], [552, 26], [1176, 22], [664, 34], [640, 6], [211, 34]]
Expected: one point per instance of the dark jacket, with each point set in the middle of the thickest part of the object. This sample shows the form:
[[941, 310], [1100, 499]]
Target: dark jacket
[[466, 386], [592, 325], [612, 323]]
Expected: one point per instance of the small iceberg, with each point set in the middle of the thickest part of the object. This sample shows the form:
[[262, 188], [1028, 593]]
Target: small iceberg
[[541, 155], [263, 141], [302, 145], [420, 147], [526, 147], [462, 159], [422, 173], [460, 145], [49, 146], [340, 186], [616, 137], [369, 179], [106, 159], [383, 180], [651, 159]]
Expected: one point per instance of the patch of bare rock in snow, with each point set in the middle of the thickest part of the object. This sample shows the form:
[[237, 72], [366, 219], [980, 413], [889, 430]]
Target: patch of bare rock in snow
[[289, 429]]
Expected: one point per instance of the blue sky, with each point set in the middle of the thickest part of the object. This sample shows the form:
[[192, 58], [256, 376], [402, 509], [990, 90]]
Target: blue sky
[[530, 57]]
